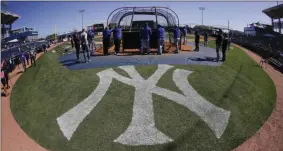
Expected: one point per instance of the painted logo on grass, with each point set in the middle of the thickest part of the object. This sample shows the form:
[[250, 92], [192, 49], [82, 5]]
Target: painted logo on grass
[[142, 130]]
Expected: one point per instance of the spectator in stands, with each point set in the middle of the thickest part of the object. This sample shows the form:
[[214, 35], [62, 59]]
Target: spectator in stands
[[84, 44], [12, 64], [76, 41], [160, 38], [91, 42], [32, 56], [185, 34], [4, 83], [13, 59], [106, 40], [4, 75], [27, 57], [177, 35], [197, 41], [17, 60], [23, 59], [145, 39], [205, 39], [44, 47], [219, 39], [117, 38], [224, 47], [229, 42], [72, 42]]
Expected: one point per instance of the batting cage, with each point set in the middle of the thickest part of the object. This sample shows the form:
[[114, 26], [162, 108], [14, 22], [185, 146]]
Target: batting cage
[[131, 19]]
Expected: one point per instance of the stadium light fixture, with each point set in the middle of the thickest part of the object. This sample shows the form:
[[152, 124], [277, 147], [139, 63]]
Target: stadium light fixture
[[82, 11], [202, 9]]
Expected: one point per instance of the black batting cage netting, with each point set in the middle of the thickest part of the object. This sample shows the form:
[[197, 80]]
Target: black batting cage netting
[[131, 19]]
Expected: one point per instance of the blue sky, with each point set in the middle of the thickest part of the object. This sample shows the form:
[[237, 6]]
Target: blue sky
[[44, 15]]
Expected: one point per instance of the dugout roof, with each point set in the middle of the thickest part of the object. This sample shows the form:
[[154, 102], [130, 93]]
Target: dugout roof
[[274, 12], [8, 18]]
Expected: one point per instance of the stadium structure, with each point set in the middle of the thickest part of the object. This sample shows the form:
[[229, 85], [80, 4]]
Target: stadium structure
[[20, 34], [7, 19], [259, 29], [276, 15], [17, 39], [274, 30]]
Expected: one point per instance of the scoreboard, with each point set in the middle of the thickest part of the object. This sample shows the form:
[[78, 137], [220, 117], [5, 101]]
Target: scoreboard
[[98, 27], [251, 31]]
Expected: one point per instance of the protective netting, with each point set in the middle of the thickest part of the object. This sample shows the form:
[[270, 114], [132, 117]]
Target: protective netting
[[169, 17]]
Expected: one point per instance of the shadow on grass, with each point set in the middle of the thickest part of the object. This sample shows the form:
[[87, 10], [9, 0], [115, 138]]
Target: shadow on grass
[[68, 60], [71, 62], [97, 54], [228, 90], [179, 141], [208, 59]]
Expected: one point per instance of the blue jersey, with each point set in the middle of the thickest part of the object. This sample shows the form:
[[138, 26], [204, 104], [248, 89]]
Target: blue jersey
[[90, 35], [185, 31], [117, 33], [177, 33], [22, 55], [146, 32], [160, 32], [107, 33]]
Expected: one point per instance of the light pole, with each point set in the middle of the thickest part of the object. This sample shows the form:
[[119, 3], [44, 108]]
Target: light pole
[[82, 11], [55, 32], [202, 9]]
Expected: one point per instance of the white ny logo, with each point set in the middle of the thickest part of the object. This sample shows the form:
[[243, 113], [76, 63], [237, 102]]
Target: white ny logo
[[142, 130]]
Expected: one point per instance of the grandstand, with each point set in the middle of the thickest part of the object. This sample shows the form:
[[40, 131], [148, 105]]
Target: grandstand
[[12, 38], [263, 40], [18, 39], [7, 19], [275, 13], [22, 34], [211, 30], [259, 29]]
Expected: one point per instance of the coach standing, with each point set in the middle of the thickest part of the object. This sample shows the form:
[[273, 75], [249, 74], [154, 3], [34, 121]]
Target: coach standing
[[177, 35], [106, 40], [146, 33], [229, 42], [84, 43], [160, 38], [219, 39], [23, 59], [91, 42], [185, 34], [44, 47], [32, 56], [76, 41], [224, 47], [205, 39], [197, 41], [117, 38]]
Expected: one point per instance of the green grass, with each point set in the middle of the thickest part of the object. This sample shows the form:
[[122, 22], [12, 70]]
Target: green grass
[[189, 36], [47, 91], [98, 39]]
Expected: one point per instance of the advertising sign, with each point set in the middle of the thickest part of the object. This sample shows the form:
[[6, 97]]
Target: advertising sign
[[98, 27]]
